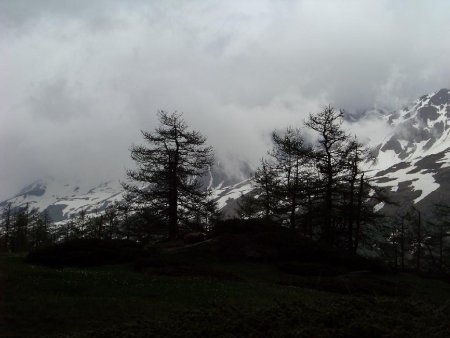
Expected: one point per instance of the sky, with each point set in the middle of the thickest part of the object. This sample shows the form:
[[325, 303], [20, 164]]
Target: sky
[[80, 79]]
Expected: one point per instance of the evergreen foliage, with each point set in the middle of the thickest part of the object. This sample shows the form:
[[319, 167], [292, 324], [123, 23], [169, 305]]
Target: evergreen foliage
[[318, 188], [166, 180]]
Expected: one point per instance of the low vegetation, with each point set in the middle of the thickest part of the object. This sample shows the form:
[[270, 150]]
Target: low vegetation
[[196, 295], [86, 252]]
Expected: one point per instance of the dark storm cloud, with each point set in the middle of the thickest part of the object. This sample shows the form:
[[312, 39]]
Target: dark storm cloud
[[80, 78]]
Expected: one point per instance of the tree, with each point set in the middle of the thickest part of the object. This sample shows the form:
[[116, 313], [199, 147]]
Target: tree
[[290, 157], [7, 218], [356, 156], [264, 200], [40, 231], [443, 212], [396, 238], [419, 237], [331, 155], [360, 196], [169, 166], [124, 210], [267, 181], [111, 216], [438, 227], [81, 221], [282, 180]]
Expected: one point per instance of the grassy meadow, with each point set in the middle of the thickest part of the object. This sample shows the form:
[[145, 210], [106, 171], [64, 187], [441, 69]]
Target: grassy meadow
[[209, 297]]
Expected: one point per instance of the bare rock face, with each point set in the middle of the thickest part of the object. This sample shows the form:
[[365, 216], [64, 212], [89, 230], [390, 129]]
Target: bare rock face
[[441, 97]]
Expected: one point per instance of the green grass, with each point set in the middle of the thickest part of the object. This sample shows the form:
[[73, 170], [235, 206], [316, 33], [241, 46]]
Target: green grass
[[220, 299]]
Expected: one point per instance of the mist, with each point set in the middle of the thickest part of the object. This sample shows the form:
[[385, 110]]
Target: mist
[[79, 80]]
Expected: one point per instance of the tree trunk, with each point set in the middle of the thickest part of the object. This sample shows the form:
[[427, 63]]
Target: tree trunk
[[292, 216], [358, 213], [267, 204], [395, 257], [419, 241], [328, 208], [310, 208], [293, 189], [8, 227], [441, 236], [402, 244], [173, 199], [350, 214]]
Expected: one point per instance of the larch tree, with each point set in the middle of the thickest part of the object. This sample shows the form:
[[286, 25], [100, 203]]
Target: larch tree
[[166, 180], [290, 156], [441, 232], [281, 180], [331, 153], [7, 220], [267, 181]]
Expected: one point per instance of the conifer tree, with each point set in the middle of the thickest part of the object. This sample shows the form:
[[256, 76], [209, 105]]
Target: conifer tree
[[7, 225], [331, 155], [169, 165]]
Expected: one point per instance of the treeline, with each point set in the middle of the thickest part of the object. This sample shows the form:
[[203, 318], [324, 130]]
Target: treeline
[[24, 228], [317, 185], [315, 180], [164, 197], [418, 242], [117, 221]]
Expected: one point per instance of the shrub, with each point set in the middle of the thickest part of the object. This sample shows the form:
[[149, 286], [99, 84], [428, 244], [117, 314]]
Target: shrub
[[258, 239], [86, 252], [264, 239], [244, 226]]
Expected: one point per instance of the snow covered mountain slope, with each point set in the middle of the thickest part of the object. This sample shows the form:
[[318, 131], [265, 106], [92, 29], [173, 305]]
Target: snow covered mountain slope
[[420, 129], [227, 197], [63, 200], [413, 163], [414, 160]]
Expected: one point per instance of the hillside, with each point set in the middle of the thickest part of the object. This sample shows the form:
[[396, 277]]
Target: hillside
[[204, 297], [412, 163], [63, 200]]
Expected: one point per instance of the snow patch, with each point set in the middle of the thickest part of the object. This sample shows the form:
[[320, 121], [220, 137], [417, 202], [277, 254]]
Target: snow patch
[[378, 206]]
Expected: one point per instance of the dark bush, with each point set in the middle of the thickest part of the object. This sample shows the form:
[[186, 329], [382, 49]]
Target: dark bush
[[86, 252], [266, 240], [244, 226], [194, 237], [311, 269], [258, 239]]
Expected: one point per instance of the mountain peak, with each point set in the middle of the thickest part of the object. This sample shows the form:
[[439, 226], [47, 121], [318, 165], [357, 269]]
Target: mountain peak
[[413, 159]]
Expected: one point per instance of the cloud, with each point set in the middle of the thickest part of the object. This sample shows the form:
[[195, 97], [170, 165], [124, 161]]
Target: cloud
[[79, 79]]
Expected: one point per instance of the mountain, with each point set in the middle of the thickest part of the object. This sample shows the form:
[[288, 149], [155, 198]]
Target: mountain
[[413, 164], [413, 161], [368, 114], [63, 200]]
